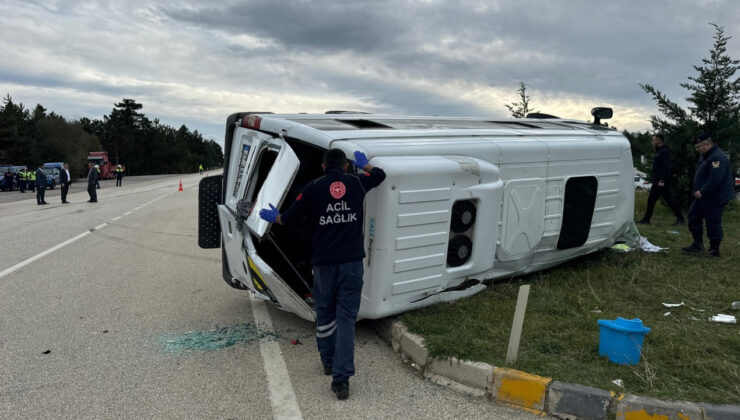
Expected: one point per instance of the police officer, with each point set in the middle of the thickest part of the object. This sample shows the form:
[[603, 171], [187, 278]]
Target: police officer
[[712, 191], [200, 168], [661, 181], [333, 204], [24, 178], [119, 175], [40, 180], [32, 180]]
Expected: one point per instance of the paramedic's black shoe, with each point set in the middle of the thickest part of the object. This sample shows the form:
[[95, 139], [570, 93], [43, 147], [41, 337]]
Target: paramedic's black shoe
[[679, 222], [643, 222], [341, 389], [694, 248], [327, 370]]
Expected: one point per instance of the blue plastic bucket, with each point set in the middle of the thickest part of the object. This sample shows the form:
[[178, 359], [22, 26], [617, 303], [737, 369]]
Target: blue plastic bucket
[[621, 340]]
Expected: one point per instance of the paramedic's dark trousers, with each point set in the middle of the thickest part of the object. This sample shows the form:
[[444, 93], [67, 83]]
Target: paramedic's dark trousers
[[337, 290]]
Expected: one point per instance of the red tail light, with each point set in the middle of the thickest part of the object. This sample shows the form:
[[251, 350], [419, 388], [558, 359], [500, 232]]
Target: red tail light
[[252, 121]]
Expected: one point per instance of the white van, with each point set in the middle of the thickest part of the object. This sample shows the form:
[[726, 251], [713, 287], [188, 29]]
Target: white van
[[465, 201]]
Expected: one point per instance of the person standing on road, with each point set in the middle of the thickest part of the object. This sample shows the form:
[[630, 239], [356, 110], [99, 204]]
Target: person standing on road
[[200, 168], [64, 181], [40, 180], [32, 182], [661, 182], [8, 178], [24, 178], [333, 204], [713, 189], [92, 181], [119, 175]]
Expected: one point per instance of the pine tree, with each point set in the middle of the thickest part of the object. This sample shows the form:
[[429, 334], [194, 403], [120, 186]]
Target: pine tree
[[714, 108], [520, 109]]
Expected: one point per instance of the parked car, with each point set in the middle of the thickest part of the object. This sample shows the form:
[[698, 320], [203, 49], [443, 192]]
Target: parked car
[[52, 177], [642, 184]]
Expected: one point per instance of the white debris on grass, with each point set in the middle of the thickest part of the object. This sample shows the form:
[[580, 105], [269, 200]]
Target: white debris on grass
[[724, 319], [646, 246], [618, 382], [666, 314], [672, 305]]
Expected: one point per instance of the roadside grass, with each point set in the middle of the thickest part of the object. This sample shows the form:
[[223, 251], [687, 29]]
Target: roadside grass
[[685, 357]]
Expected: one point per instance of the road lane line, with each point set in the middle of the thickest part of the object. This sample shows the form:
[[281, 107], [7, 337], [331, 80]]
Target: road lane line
[[282, 396], [127, 213], [42, 254], [116, 218]]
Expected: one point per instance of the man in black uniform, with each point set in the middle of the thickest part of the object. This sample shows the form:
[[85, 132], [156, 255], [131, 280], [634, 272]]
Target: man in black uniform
[[712, 191], [661, 181], [40, 185], [333, 204]]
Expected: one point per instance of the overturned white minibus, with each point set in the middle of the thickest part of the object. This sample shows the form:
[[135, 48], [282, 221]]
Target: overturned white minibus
[[465, 201]]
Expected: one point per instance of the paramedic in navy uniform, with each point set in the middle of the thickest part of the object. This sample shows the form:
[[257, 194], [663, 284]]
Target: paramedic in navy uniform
[[712, 191], [333, 204]]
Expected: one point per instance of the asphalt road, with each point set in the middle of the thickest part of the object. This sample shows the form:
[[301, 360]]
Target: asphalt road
[[100, 326]]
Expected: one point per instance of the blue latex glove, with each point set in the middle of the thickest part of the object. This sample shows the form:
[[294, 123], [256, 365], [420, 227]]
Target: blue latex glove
[[269, 215], [360, 159]]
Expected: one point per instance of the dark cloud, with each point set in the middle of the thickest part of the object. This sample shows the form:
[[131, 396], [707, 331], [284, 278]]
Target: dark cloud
[[577, 47], [347, 25]]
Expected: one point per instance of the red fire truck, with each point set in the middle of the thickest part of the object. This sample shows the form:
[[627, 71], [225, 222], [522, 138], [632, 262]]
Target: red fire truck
[[104, 164]]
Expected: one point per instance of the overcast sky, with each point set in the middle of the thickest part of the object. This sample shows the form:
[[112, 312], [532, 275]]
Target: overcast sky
[[195, 63]]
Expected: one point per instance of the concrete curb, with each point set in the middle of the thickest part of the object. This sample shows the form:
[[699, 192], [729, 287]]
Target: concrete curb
[[538, 394]]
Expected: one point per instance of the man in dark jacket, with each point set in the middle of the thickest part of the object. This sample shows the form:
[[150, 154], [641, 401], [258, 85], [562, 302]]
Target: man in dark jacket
[[333, 204], [40, 185], [64, 181], [713, 189], [92, 181], [661, 181]]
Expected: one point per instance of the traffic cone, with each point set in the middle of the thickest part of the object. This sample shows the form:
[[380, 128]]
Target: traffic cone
[[180, 185]]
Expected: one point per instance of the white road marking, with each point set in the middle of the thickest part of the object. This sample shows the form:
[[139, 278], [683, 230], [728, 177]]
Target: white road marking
[[116, 218], [100, 226], [127, 213], [41, 254], [282, 396]]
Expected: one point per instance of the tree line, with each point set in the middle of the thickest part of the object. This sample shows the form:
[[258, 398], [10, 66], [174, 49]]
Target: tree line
[[713, 107], [32, 137]]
